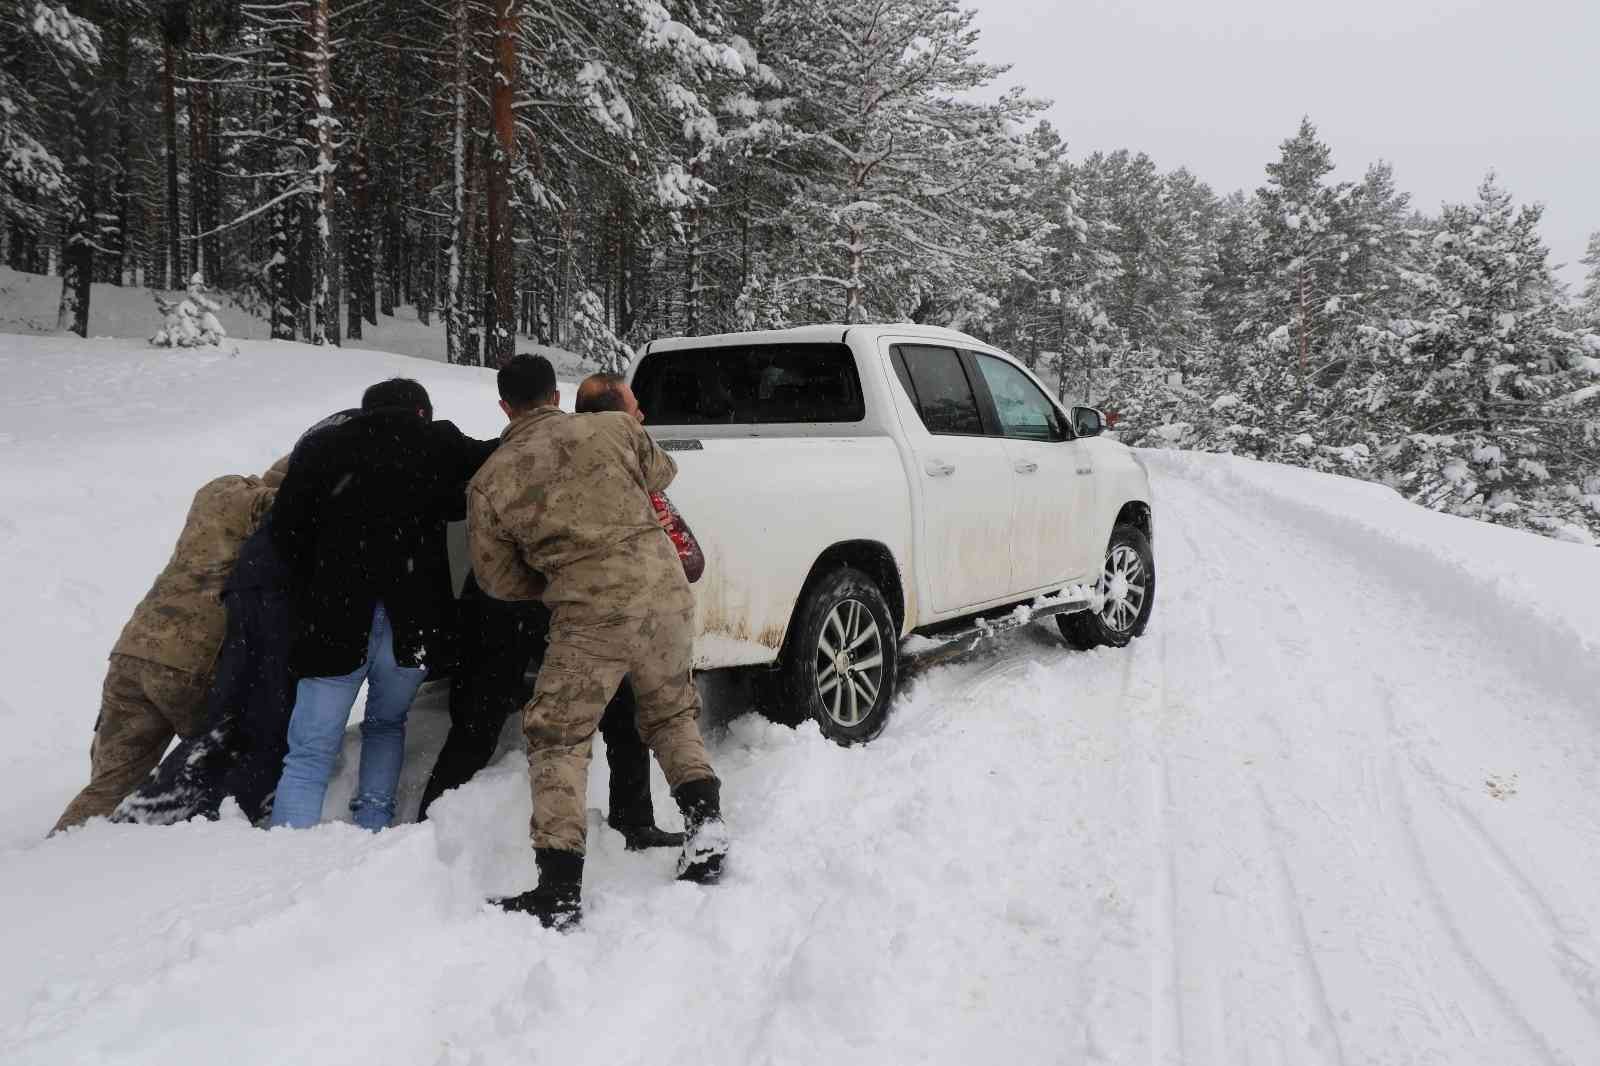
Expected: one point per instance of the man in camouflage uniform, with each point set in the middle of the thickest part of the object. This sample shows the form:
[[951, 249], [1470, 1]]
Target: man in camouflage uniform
[[161, 664], [562, 512]]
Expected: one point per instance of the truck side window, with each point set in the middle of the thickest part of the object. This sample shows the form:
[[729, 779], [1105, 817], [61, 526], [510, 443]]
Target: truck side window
[[939, 388], [1025, 412]]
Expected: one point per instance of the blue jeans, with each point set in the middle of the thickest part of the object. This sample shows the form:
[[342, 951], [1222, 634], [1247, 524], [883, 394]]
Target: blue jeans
[[316, 731]]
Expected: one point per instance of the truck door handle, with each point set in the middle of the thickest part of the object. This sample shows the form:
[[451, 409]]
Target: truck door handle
[[936, 468], [1085, 469], [1025, 467]]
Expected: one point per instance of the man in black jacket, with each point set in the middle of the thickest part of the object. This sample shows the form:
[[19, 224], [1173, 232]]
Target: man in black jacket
[[359, 521]]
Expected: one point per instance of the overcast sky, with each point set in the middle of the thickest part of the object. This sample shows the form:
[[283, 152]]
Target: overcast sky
[[1443, 89]]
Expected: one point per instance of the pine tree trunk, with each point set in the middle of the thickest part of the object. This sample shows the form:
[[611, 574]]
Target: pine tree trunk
[[124, 193], [454, 313], [500, 273], [562, 325], [358, 242], [389, 289], [282, 273], [692, 309], [477, 241], [196, 98], [18, 254], [625, 313], [855, 243], [77, 261], [427, 262], [407, 260], [77, 268], [324, 312], [744, 234], [205, 171], [1304, 326], [173, 271]]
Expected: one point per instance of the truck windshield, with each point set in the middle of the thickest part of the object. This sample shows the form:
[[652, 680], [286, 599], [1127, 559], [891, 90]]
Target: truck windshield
[[750, 384]]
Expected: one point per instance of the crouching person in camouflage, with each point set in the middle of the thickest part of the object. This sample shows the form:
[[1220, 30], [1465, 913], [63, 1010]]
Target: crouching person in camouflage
[[161, 664], [567, 497]]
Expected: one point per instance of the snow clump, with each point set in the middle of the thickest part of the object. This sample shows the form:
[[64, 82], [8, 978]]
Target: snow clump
[[190, 322]]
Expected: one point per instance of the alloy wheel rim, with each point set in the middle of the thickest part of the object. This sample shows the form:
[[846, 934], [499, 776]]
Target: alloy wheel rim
[[1124, 583], [849, 663]]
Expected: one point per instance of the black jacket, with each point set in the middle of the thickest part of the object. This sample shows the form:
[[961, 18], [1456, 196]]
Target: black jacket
[[360, 518]]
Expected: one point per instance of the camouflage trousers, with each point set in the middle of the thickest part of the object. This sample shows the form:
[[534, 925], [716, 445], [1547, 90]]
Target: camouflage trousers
[[142, 706], [582, 669]]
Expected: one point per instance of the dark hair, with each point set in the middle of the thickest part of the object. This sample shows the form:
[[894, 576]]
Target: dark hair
[[526, 381], [398, 392], [599, 392]]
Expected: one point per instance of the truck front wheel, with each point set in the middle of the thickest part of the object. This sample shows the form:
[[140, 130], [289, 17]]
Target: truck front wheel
[[1128, 583], [842, 657]]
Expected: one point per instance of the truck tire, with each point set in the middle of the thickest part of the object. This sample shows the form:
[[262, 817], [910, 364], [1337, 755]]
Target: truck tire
[[1129, 581], [841, 660]]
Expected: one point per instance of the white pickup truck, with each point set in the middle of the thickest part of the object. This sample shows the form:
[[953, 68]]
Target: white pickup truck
[[853, 486]]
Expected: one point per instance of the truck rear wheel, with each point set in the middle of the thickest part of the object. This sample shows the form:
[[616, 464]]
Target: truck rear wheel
[[841, 660], [1128, 582]]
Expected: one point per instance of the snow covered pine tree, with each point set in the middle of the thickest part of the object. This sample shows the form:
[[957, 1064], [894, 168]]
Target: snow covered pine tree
[[191, 321], [1503, 403]]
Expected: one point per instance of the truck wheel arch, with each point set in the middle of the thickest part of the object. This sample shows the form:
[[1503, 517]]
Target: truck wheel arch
[[872, 558], [1136, 513]]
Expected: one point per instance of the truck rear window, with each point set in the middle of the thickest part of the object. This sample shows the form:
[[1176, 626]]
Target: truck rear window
[[750, 384]]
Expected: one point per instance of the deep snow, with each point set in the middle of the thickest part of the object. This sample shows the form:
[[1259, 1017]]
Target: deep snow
[[1338, 806]]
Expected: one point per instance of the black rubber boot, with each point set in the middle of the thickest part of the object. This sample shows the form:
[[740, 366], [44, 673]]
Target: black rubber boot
[[644, 837], [556, 902], [705, 844]]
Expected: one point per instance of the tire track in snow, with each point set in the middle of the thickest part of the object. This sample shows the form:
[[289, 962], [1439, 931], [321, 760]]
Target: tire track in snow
[[1578, 964], [1286, 895], [1166, 961], [1494, 858], [1293, 914], [1575, 965], [1312, 978], [1396, 809], [1439, 904]]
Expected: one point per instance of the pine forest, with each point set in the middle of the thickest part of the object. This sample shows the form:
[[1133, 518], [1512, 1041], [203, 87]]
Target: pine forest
[[593, 175]]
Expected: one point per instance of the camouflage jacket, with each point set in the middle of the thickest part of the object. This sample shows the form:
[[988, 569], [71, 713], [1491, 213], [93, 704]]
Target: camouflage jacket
[[180, 621], [561, 512]]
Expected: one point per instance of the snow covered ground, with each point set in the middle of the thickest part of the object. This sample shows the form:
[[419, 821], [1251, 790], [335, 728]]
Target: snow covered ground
[[29, 304], [1339, 806]]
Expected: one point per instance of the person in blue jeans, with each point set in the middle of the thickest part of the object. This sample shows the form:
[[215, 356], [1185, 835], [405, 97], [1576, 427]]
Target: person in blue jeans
[[316, 731], [359, 522]]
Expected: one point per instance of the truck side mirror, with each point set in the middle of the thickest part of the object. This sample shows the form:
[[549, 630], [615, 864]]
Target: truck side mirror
[[1087, 422]]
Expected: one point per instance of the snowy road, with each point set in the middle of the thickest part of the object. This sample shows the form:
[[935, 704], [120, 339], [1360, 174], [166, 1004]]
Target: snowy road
[[1375, 827], [1340, 806]]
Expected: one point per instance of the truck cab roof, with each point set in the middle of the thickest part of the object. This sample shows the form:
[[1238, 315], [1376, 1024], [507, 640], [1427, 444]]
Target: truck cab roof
[[827, 333]]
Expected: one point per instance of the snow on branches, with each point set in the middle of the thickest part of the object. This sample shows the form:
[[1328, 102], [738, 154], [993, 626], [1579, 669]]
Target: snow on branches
[[190, 322], [49, 38]]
